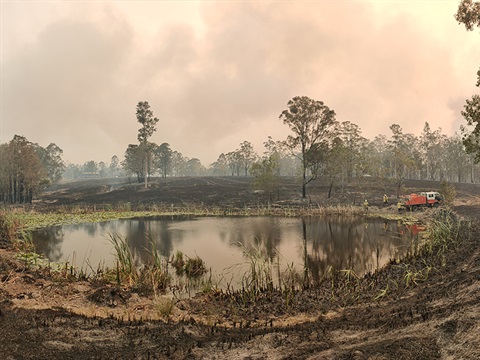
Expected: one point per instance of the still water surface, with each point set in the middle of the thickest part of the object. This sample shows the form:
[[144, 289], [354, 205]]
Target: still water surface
[[223, 242]]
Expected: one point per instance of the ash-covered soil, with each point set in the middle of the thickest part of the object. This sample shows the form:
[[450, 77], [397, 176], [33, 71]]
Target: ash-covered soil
[[47, 317]]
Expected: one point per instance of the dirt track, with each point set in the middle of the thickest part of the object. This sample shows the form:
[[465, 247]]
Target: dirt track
[[436, 319]]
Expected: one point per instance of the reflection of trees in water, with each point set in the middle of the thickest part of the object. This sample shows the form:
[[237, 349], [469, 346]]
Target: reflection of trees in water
[[259, 236], [140, 232], [48, 242], [346, 243], [339, 242]]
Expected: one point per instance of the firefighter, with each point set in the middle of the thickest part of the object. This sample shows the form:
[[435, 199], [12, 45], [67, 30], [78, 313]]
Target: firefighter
[[365, 205], [385, 199], [400, 207]]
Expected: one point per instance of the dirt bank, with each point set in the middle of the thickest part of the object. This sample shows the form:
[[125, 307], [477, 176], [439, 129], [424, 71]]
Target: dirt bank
[[437, 317]]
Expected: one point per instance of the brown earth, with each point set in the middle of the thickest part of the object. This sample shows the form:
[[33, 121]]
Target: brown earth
[[45, 316]]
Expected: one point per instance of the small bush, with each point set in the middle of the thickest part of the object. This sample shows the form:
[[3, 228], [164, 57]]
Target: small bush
[[448, 192], [9, 227], [165, 306]]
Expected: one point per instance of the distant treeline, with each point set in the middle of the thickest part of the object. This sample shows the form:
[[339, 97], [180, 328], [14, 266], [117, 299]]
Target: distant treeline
[[26, 168], [430, 156]]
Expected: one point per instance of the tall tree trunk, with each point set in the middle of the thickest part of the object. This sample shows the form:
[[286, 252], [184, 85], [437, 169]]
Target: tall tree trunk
[[145, 170]]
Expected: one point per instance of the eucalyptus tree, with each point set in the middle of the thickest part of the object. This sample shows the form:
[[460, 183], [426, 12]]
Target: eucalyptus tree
[[312, 123], [285, 163], [22, 174], [179, 167], [378, 159], [114, 167], [352, 141], [164, 159], [431, 143], [220, 167], [337, 164], [51, 158], [247, 155], [266, 177], [194, 167], [148, 121], [404, 157], [72, 171], [90, 167], [468, 13], [471, 139], [457, 163], [102, 169], [234, 161], [133, 162]]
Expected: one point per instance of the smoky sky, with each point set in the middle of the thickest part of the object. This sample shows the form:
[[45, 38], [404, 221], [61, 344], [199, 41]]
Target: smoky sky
[[219, 73]]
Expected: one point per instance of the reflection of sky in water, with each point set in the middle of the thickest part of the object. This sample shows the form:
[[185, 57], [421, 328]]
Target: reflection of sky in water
[[338, 242]]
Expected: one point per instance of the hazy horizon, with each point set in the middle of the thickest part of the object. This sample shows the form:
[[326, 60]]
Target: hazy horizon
[[219, 73]]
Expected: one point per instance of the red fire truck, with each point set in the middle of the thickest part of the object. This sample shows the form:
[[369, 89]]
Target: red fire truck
[[424, 199]]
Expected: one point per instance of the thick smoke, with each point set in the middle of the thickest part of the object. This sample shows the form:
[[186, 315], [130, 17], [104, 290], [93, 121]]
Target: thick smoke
[[223, 73]]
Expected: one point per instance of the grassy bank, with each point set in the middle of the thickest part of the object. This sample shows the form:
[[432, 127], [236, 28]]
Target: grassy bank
[[31, 219]]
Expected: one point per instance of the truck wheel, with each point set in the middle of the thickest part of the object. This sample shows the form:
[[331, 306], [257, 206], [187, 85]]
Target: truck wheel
[[436, 205]]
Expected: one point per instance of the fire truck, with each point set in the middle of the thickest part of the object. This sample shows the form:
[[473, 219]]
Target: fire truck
[[424, 199]]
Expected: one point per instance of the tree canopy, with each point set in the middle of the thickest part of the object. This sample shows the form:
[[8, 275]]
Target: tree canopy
[[312, 123], [468, 13], [26, 168], [148, 121]]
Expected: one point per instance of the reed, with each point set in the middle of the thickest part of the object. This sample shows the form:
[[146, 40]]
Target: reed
[[443, 234], [259, 276], [126, 268], [194, 267]]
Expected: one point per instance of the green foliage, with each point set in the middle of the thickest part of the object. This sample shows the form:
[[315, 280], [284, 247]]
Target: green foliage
[[468, 13], [26, 168], [164, 159], [443, 234], [126, 268], [194, 267], [312, 123], [265, 176], [148, 278], [471, 139], [147, 120], [190, 267]]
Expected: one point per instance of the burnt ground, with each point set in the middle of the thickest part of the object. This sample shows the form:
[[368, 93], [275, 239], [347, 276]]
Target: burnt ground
[[45, 317]]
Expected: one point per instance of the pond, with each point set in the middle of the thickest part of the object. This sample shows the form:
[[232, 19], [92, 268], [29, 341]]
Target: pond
[[226, 244]]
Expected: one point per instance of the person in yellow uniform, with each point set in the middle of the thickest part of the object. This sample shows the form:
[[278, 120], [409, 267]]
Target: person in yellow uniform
[[365, 205]]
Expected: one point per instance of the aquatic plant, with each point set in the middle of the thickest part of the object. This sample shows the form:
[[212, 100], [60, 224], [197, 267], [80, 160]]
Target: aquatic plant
[[443, 233], [126, 268], [190, 267]]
